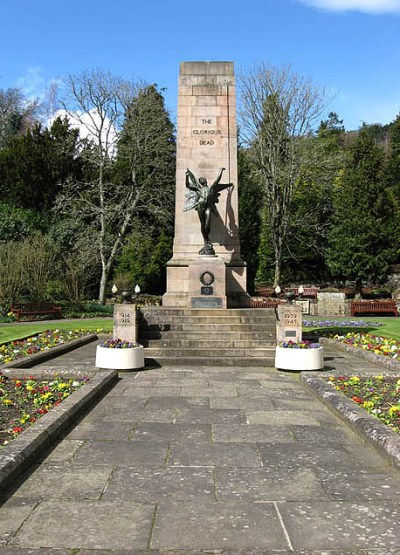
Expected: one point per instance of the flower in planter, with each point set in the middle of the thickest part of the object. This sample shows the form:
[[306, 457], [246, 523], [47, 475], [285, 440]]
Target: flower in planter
[[299, 345], [119, 344]]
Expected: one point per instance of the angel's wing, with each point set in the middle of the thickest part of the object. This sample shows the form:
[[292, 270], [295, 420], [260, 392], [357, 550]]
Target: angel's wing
[[215, 190], [191, 200]]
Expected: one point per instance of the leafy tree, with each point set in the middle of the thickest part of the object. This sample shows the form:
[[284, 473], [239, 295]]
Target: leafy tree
[[304, 254], [17, 223], [143, 261], [250, 217], [363, 241], [394, 157], [146, 156], [33, 166], [279, 109]]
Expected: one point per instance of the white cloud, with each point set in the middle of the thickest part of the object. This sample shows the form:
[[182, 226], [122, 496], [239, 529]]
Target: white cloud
[[89, 125], [32, 83], [368, 6]]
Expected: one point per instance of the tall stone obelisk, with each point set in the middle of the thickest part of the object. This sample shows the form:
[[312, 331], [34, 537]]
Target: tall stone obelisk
[[206, 142]]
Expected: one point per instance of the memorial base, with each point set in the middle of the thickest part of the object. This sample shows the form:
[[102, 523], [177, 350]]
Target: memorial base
[[207, 283]]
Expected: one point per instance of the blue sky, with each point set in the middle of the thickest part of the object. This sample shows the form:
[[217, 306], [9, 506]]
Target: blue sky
[[351, 47]]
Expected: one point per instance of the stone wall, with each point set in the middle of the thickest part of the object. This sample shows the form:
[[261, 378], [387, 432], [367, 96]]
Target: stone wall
[[332, 304]]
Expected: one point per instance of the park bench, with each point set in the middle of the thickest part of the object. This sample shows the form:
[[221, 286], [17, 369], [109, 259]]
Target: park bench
[[35, 309], [308, 292], [256, 302], [374, 307]]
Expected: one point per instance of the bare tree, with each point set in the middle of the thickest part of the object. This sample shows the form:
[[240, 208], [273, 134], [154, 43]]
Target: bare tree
[[98, 103], [17, 114], [278, 110]]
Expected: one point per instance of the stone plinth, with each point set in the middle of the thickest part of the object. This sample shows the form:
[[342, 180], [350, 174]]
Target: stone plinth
[[125, 326], [207, 283], [206, 142], [289, 323]]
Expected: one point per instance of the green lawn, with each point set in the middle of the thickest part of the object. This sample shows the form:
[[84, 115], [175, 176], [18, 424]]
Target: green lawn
[[390, 327], [11, 332]]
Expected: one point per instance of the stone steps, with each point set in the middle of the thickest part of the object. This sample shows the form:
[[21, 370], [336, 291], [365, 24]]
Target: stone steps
[[208, 337]]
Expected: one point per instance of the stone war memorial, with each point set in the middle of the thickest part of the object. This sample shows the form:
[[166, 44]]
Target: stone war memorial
[[206, 270], [205, 313]]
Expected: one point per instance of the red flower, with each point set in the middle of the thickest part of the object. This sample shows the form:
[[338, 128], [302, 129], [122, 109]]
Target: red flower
[[357, 399]]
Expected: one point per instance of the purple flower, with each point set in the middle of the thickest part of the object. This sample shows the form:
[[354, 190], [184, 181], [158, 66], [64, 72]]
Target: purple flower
[[119, 344]]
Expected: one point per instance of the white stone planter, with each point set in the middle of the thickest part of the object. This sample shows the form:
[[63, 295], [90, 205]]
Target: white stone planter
[[299, 359], [119, 359]]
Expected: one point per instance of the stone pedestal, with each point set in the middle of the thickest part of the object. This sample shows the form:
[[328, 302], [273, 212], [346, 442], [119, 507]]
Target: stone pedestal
[[289, 323], [125, 326], [207, 283], [206, 142]]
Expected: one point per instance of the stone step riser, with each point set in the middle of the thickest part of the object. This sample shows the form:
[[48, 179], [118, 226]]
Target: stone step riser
[[163, 312], [210, 361], [204, 328], [154, 352], [206, 345], [209, 320], [173, 335]]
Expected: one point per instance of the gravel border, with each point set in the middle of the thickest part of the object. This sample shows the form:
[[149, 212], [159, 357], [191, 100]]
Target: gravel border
[[22, 451]]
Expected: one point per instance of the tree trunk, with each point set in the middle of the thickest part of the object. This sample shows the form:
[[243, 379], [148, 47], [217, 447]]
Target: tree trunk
[[277, 272], [102, 287], [358, 289]]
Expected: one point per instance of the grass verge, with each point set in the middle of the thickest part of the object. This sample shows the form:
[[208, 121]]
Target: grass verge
[[15, 331]]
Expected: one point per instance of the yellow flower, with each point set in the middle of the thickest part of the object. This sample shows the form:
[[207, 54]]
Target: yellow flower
[[368, 405], [394, 410], [7, 402]]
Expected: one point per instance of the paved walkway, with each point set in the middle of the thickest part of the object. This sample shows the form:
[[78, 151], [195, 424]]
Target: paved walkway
[[183, 461]]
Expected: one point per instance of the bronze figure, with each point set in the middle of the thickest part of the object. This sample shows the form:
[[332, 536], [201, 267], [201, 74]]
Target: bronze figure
[[204, 198]]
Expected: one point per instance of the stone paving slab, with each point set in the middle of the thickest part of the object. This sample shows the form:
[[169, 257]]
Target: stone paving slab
[[177, 402], [217, 526], [282, 418], [297, 455], [342, 524], [240, 455], [147, 485], [360, 484], [257, 433], [102, 430], [87, 524], [179, 433], [63, 482], [211, 416], [121, 453], [243, 403], [260, 484]]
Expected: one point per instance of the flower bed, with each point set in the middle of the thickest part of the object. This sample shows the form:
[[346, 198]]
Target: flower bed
[[299, 345], [36, 343], [339, 324], [23, 401], [378, 395], [371, 343]]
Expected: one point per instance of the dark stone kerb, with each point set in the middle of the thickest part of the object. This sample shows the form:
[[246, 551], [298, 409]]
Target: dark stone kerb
[[365, 425], [21, 452]]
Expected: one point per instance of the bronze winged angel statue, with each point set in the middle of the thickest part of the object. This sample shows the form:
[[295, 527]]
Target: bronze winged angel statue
[[203, 198]]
